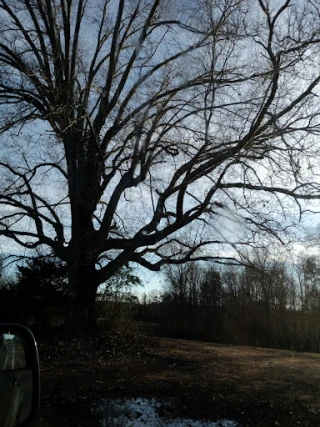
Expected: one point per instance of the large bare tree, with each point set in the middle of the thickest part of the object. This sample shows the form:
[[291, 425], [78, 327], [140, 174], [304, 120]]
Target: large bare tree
[[150, 131]]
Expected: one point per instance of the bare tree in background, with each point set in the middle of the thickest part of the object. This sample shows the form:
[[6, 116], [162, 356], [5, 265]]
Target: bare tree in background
[[133, 127]]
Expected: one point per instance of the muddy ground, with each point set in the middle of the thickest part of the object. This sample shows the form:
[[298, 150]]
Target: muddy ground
[[254, 386]]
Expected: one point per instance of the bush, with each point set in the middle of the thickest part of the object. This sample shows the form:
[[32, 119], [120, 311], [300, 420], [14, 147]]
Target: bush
[[42, 291]]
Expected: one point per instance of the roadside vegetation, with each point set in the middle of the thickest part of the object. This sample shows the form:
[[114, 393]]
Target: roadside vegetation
[[251, 385], [269, 303]]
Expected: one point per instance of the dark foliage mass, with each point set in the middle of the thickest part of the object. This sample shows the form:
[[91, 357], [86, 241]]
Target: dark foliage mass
[[37, 295], [9, 309]]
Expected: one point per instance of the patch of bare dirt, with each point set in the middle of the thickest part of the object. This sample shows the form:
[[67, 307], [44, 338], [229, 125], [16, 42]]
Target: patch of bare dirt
[[257, 387]]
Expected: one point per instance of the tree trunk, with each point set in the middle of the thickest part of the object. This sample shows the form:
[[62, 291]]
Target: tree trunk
[[81, 314]]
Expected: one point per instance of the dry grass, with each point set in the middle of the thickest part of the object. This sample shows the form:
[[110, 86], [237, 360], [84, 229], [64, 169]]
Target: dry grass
[[258, 387]]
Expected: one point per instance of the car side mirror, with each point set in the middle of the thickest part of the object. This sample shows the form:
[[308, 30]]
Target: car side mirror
[[19, 376]]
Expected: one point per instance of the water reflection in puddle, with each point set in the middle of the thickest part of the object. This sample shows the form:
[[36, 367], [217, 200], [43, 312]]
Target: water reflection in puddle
[[145, 412]]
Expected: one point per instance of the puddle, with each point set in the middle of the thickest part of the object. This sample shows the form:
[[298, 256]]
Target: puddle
[[145, 412]]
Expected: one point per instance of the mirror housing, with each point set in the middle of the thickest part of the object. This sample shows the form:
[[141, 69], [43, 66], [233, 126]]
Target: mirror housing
[[19, 376]]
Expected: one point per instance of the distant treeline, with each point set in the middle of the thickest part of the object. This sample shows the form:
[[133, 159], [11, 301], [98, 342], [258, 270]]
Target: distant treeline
[[269, 304]]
